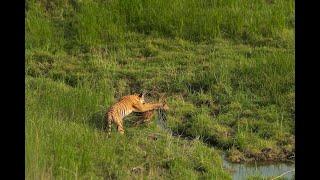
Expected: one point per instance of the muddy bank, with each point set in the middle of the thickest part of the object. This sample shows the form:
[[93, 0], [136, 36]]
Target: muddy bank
[[285, 154], [267, 155]]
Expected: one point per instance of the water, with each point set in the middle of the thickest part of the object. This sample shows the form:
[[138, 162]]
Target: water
[[243, 171]]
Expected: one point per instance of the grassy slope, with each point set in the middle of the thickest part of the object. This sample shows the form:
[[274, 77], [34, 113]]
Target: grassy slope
[[228, 74]]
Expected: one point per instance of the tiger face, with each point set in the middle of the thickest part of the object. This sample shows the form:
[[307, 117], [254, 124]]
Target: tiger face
[[141, 98]]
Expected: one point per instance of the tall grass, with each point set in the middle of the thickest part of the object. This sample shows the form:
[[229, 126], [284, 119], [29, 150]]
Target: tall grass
[[65, 139], [94, 23]]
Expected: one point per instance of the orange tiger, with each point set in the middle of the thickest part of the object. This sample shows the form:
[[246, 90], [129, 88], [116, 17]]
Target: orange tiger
[[145, 117], [127, 105]]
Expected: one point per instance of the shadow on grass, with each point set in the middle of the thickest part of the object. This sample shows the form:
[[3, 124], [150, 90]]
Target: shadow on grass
[[98, 121]]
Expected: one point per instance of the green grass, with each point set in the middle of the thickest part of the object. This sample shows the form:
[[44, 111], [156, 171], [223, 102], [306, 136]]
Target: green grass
[[67, 140], [227, 68]]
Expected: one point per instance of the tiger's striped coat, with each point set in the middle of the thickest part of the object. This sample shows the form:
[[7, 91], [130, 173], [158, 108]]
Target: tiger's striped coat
[[127, 105]]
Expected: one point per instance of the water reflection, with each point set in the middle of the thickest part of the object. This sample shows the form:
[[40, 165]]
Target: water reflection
[[243, 171]]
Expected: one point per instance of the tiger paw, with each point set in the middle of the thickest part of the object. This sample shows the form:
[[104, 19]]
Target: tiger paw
[[165, 106]]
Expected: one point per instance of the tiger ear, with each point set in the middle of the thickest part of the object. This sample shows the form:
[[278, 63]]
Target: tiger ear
[[141, 95]]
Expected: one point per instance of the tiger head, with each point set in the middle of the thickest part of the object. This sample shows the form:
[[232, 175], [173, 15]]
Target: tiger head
[[141, 97]]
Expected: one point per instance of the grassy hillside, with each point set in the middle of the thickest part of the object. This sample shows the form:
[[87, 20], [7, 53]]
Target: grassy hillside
[[227, 68]]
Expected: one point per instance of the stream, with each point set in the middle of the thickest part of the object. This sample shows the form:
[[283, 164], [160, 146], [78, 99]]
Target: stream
[[240, 171], [243, 171]]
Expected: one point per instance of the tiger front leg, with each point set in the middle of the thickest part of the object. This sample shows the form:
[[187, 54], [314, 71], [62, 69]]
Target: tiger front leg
[[147, 107]]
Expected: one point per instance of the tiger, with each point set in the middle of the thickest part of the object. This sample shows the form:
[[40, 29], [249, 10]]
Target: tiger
[[145, 117], [128, 104]]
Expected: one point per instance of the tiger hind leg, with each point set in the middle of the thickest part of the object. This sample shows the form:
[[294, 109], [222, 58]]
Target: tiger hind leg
[[120, 129]]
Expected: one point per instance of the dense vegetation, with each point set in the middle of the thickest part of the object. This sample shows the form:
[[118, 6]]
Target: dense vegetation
[[226, 68]]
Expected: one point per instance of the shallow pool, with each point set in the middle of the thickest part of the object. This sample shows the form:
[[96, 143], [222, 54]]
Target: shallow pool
[[243, 171]]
